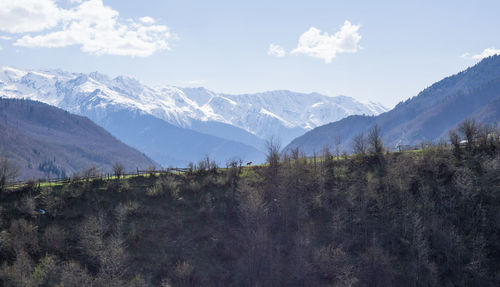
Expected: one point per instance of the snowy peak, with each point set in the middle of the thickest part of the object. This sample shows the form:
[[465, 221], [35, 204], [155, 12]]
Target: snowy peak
[[127, 85], [99, 77], [200, 95], [282, 113], [9, 74]]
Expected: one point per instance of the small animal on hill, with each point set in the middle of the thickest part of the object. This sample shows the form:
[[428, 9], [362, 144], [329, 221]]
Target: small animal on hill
[[249, 163]]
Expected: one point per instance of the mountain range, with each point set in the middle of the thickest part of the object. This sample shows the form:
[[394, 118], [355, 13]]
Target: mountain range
[[174, 125], [44, 141], [427, 117]]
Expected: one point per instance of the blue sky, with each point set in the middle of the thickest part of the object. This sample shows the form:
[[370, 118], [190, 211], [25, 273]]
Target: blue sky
[[386, 52]]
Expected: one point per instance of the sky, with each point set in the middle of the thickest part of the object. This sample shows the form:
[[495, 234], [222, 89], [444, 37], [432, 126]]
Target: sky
[[381, 51]]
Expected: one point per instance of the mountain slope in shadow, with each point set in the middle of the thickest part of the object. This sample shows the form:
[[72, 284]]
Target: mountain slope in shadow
[[45, 141]]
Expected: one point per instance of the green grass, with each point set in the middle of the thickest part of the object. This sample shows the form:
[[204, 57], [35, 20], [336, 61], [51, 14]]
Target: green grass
[[245, 170]]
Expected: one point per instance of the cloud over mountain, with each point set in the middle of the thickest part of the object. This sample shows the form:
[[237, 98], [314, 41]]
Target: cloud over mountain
[[484, 54]]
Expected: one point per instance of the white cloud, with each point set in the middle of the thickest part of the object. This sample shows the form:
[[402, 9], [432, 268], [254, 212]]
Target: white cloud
[[1, 48], [19, 16], [147, 20], [486, 53], [94, 27], [6, 38], [315, 44], [276, 50], [465, 55]]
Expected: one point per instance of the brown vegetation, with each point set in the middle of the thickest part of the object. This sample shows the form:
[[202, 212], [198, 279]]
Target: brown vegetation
[[425, 218]]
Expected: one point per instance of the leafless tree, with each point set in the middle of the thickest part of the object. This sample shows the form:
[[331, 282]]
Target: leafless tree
[[28, 206], [273, 152], [118, 169], [469, 128], [375, 140], [8, 173], [72, 274], [90, 172], [359, 144], [455, 142], [338, 144]]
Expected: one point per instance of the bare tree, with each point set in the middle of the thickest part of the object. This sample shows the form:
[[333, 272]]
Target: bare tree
[[485, 137], [359, 144], [28, 206], [118, 169], [469, 128], [273, 152], [375, 140], [455, 142], [90, 172], [253, 267], [338, 144], [17, 273], [8, 173], [72, 274]]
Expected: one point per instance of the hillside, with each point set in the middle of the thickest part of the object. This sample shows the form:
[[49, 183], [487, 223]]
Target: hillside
[[43, 141], [236, 120], [427, 218], [174, 146], [426, 117]]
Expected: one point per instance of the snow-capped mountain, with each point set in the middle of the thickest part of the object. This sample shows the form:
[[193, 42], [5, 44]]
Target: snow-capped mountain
[[249, 118], [264, 115], [277, 113]]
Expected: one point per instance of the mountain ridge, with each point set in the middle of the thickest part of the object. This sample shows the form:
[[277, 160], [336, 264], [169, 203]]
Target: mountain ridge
[[180, 106], [246, 120], [425, 117], [42, 140]]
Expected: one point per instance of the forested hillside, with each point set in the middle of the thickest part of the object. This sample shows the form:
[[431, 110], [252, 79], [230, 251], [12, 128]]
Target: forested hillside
[[427, 117], [419, 218], [43, 141]]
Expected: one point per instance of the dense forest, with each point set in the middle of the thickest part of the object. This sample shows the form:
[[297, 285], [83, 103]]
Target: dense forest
[[428, 217]]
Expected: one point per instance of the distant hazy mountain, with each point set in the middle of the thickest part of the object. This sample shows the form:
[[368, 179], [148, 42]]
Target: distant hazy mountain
[[42, 140], [428, 116], [243, 122], [174, 146]]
